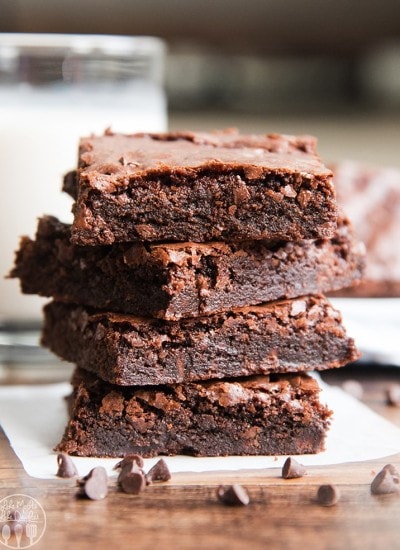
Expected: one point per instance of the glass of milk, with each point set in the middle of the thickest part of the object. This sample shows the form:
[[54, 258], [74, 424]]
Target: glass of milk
[[53, 90]]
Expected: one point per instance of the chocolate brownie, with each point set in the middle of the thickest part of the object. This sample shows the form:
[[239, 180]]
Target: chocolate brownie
[[371, 197], [261, 415], [286, 336], [200, 187], [178, 280]]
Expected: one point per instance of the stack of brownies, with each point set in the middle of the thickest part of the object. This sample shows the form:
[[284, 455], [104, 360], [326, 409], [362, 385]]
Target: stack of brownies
[[187, 292]]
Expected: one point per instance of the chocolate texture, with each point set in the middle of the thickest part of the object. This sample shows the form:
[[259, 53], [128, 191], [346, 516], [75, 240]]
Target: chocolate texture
[[179, 280], [286, 336], [200, 187], [264, 415]]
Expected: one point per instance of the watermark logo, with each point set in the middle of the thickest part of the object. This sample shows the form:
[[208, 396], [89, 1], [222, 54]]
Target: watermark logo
[[22, 521]]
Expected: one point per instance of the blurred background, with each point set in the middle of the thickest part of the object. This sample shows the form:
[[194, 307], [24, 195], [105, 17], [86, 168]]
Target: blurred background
[[330, 68]]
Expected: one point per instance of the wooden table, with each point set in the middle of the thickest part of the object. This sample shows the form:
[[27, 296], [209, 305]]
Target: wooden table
[[184, 513]]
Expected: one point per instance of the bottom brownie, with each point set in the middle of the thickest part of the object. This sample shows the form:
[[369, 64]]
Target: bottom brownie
[[258, 415]]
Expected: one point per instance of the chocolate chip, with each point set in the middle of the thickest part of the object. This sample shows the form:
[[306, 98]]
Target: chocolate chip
[[159, 472], [393, 395], [131, 478], [386, 481], [292, 469], [353, 388], [130, 458], [328, 495], [133, 482], [392, 469], [66, 468], [130, 468], [94, 484], [233, 495]]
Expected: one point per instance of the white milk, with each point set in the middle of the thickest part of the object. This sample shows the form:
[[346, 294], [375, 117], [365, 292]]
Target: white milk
[[39, 132]]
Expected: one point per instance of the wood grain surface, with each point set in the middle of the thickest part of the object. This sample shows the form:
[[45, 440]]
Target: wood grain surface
[[185, 513]]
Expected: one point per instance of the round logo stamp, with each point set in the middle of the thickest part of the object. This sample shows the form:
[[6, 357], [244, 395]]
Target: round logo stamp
[[22, 521]]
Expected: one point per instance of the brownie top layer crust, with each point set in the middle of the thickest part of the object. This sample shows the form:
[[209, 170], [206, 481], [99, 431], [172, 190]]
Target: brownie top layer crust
[[200, 187], [229, 392], [184, 152]]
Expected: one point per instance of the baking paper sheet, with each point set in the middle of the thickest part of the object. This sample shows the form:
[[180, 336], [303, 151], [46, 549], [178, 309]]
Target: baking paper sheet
[[34, 418]]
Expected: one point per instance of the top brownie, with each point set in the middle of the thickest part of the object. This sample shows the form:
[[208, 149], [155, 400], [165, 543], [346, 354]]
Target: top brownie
[[200, 187]]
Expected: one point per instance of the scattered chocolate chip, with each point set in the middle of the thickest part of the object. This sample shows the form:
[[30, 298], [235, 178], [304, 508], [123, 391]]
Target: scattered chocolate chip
[[130, 468], [66, 468], [233, 495], [133, 482], [328, 495], [292, 469], [353, 388], [393, 395], [159, 472], [392, 469], [386, 481], [94, 485], [129, 458], [132, 478]]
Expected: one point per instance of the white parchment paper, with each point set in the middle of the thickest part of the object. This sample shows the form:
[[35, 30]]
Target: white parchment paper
[[34, 418]]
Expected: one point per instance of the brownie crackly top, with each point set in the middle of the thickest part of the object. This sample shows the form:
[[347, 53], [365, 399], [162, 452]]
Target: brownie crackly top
[[199, 187], [181, 152]]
